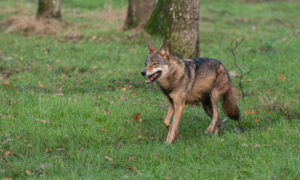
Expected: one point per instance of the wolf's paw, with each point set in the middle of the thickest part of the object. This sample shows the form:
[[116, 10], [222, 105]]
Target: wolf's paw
[[168, 141], [217, 131], [209, 130]]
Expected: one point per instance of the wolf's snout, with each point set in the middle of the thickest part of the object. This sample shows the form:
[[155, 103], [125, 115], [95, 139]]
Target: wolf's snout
[[143, 72]]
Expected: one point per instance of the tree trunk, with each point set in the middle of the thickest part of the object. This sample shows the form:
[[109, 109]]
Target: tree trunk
[[157, 22], [178, 22], [182, 32], [138, 13], [49, 9]]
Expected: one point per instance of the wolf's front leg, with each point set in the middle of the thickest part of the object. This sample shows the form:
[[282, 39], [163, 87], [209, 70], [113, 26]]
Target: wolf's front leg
[[173, 128], [169, 115]]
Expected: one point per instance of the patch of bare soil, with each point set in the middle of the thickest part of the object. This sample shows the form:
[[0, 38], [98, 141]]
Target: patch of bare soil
[[109, 15], [30, 24]]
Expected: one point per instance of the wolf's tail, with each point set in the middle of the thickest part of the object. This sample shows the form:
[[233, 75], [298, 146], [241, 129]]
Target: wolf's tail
[[229, 103]]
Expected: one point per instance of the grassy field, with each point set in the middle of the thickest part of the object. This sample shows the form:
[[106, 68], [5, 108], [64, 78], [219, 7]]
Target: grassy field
[[73, 105]]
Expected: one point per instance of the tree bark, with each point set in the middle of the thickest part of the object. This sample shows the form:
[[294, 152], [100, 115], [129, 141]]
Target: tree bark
[[138, 13], [178, 22], [182, 33], [157, 22], [49, 9]]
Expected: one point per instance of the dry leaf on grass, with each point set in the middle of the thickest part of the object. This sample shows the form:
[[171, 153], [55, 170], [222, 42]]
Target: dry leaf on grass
[[42, 121], [136, 117], [108, 158], [233, 74], [7, 153], [123, 98], [107, 112], [28, 172], [282, 77], [5, 83], [104, 130]]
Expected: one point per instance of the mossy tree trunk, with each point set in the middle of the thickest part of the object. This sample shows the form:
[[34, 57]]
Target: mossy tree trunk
[[157, 22], [178, 22], [138, 13], [49, 9]]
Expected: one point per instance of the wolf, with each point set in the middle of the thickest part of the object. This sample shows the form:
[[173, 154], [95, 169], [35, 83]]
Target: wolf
[[191, 81]]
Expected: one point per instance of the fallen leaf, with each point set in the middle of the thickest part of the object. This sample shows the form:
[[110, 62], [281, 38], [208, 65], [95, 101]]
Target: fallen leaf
[[7, 153], [59, 93], [253, 27], [123, 98], [106, 112], [7, 179], [6, 141], [282, 77], [42, 121], [256, 120], [6, 73], [104, 130], [28, 172], [108, 158], [131, 158], [41, 84], [5, 83], [244, 144], [140, 136], [43, 166], [136, 117], [119, 145], [257, 145], [233, 74]]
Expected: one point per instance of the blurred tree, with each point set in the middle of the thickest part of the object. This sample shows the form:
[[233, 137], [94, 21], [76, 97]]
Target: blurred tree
[[178, 22], [49, 9], [157, 22], [138, 13]]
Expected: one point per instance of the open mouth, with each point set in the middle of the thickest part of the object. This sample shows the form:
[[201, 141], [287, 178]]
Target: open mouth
[[153, 77]]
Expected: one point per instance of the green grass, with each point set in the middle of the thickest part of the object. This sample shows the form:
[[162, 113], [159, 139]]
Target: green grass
[[62, 112]]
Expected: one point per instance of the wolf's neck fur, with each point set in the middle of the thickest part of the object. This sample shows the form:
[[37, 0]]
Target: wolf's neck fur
[[175, 74]]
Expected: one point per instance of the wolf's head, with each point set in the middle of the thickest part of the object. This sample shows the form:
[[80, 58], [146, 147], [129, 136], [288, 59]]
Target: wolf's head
[[157, 63]]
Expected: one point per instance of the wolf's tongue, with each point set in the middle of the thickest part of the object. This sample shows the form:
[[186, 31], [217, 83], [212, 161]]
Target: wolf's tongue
[[150, 79]]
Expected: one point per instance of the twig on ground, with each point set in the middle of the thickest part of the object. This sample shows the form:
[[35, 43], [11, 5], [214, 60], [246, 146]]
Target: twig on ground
[[233, 47]]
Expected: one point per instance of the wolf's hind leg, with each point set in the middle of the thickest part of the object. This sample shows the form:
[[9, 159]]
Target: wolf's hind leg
[[207, 107], [209, 111], [215, 94], [218, 127]]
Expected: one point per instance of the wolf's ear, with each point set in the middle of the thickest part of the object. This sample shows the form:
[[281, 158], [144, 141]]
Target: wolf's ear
[[164, 50], [151, 48]]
